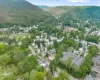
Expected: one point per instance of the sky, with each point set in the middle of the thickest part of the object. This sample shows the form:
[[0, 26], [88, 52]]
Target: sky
[[66, 2]]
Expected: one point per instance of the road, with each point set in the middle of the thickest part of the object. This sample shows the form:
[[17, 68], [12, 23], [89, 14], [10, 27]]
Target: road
[[5, 74], [33, 53]]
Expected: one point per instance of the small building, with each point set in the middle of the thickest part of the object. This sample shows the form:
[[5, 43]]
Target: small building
[[20, 43]]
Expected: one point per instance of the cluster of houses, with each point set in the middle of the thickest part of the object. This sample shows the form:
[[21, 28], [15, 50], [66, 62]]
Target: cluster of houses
[[3, 29], [77, 56], [18, 29], [96, 33], [69, 29], [42, 48]]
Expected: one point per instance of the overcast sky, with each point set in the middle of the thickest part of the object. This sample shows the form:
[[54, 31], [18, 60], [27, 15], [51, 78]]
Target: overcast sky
[[65, 2]]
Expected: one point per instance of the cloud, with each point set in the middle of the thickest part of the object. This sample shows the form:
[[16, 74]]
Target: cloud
[[80, 1]]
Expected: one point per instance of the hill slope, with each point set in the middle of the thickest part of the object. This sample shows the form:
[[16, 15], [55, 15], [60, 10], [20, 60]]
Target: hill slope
[[74, 13], [92, 11], [20, 12]]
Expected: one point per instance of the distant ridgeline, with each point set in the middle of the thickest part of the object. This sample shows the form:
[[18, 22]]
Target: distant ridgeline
[[42, 6], [69, 15], [23, 13]]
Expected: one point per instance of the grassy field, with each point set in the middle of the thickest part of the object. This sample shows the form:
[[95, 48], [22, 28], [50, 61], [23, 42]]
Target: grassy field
[[21, 36]]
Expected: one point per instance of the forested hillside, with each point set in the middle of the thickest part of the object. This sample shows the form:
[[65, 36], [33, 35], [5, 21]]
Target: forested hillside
[[71, 14], [76, 11], [21, 12]]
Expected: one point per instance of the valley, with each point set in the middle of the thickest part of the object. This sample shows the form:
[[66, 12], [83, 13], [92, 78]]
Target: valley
[[49, 43]]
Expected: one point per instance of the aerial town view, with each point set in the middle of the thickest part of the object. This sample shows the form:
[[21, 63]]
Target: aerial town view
[[49, 40]]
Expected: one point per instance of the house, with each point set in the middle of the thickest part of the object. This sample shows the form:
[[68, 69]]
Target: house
[[69, 29], [51, 57], [37, 37], [20, 43], [33, 44], [52, 51], [55, 74], [11, 37], [43, 64], [53, 38]]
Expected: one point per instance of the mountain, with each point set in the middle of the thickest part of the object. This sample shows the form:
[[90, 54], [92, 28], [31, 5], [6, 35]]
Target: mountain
[[59, 10], [20, 12], [76, 11], [71, 14], [43, 7]]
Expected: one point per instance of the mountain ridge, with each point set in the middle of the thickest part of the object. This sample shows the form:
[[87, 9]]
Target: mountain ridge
[[71, 15], [42, 6], [20, 12], [63, 9]]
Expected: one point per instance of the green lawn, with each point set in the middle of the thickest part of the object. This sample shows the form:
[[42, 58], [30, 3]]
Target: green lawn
[[1, 70], [2, 77], [21, 36]]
